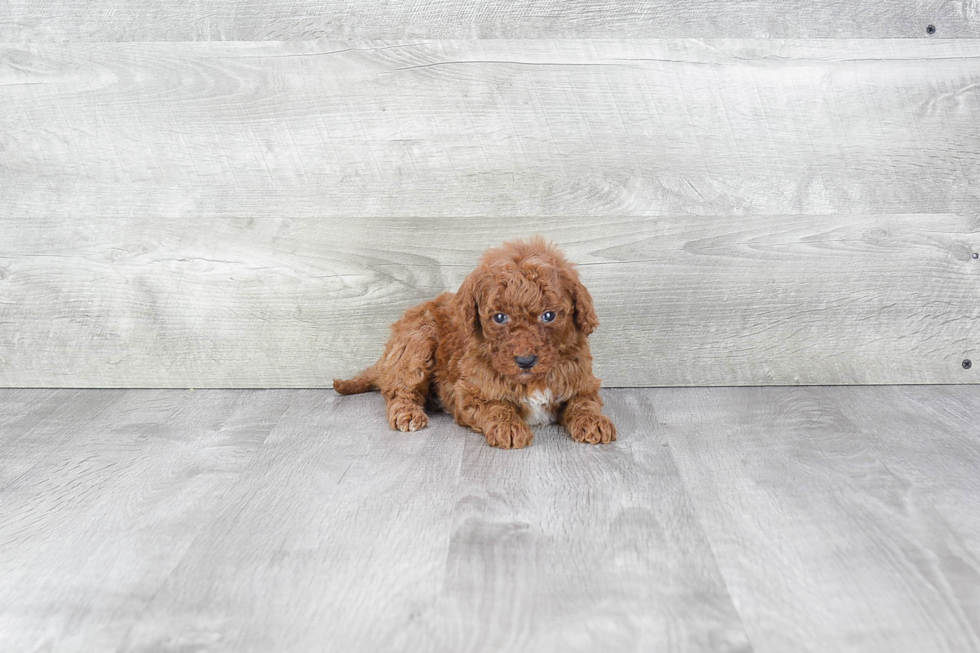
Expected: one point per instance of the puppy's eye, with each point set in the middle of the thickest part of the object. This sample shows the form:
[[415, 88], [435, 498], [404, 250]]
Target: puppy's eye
[[499, 318], [548, 316]]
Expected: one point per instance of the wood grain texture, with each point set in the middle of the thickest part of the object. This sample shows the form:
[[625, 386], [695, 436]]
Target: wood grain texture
[[602, 541], [36, 423], [115, 20], [97, 515], [682, 300], [843, 519], [247, 214], [489, 128], [335, 538], [336, 533], [751, 519]]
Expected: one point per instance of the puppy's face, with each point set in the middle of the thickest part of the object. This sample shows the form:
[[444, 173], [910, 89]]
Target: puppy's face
[[526, 308]]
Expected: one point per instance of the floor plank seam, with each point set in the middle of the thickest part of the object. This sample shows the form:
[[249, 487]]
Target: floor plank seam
[[707, 539], [189, 547]]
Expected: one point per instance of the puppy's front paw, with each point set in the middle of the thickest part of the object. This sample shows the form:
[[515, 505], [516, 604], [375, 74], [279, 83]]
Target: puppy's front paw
[[407, 417], [593, 429], [509, 435]]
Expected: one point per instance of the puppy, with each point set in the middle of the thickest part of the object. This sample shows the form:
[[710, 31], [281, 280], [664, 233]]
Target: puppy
[[507, 350]]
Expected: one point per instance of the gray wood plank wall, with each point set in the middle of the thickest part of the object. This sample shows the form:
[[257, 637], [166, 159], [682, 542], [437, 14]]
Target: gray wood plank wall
[[247, 20], [254, 213], [684, 300]]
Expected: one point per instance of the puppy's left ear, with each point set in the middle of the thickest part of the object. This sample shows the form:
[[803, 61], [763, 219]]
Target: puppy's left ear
[[585, 318]]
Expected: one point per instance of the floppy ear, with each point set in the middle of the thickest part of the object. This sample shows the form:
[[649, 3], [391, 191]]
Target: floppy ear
[[466, 303], [585, 317]]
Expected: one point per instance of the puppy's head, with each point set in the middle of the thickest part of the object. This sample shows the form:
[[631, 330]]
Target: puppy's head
[[524, 304]]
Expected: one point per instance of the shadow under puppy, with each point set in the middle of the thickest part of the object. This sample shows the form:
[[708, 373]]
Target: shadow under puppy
[[507, 350]]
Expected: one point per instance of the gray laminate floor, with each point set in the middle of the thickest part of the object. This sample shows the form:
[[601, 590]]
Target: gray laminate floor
[[751, 519]]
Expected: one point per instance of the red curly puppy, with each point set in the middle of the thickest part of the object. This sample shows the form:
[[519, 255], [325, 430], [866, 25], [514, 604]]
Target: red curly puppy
[[507, 350]]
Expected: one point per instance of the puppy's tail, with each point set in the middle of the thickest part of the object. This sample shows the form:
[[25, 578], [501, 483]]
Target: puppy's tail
[[363, 382]]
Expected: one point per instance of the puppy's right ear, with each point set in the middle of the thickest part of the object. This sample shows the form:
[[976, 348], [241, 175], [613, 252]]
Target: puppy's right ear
[[466, 304]]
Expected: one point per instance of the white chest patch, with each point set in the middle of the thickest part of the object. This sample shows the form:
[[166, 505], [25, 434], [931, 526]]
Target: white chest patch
[[540, 408]]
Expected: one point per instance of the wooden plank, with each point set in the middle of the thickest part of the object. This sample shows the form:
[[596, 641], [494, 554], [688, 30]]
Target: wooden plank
[[683, 300], [570, 548], [335, 537], [767, 519], [523, 128], [35, 424], [843, 519], [116, 20], [90, 531], [348, 536]]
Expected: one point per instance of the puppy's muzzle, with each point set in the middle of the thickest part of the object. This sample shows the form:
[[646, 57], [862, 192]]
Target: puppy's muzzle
[[526, 362]]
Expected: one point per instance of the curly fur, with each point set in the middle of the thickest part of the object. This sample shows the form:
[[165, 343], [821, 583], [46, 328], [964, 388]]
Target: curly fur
[[450, 353]]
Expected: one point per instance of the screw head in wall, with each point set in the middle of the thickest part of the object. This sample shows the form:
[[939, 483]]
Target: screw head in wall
[[930, 29], [976, 255], [967, 363]]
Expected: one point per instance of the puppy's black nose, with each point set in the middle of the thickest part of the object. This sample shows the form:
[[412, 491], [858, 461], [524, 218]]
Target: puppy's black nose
[[526, 362]]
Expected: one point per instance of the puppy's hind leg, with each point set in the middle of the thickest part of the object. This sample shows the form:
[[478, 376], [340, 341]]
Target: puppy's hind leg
[[406, 370]]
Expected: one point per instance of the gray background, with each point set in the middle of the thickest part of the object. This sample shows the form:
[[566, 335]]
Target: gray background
[[245, 194]]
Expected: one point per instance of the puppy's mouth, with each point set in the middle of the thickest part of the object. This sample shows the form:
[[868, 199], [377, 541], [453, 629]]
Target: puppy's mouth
[[525, 375]]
